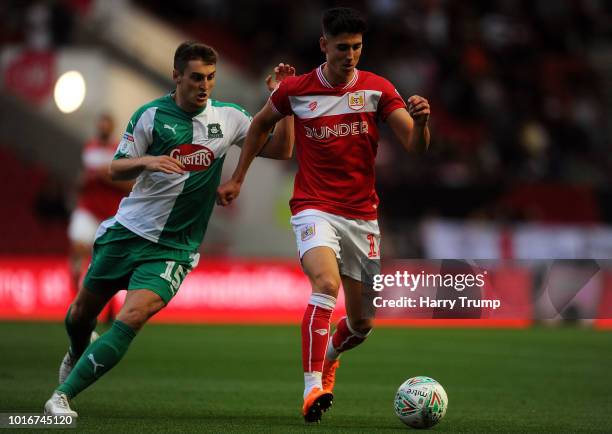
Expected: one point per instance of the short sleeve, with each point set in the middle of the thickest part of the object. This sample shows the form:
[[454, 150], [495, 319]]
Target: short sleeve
[[390, 100], [138, 135], [242, 122], [279, 99]]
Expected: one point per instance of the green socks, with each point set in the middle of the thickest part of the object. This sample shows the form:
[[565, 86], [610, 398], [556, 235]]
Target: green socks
[[79, 334], [98, 358]]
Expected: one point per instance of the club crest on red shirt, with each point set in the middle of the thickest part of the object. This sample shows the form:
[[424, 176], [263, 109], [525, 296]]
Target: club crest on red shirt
[[194, 157], [356, 100]]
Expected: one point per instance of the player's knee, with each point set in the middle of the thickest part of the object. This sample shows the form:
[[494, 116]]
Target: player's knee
[[134, 317], [363, 326], [326, 284]]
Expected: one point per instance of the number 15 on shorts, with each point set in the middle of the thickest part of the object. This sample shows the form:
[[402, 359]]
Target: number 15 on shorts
[[174, 274]]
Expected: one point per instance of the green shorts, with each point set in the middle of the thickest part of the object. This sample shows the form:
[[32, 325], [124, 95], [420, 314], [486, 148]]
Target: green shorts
[[123, 260]]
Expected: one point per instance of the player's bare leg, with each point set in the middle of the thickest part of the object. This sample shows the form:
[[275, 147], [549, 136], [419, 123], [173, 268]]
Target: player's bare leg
[[351, 330], [139, 306], [103, 354], [321, 267], [360, 316]]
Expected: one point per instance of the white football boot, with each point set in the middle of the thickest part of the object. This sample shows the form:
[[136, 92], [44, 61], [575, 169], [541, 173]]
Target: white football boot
[[58, 405], [68, 362]]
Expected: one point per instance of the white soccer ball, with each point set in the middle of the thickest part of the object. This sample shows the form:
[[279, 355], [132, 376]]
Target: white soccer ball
[[420, 402]]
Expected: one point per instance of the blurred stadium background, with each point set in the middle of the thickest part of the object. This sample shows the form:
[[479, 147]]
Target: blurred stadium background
[[519, 169], [519, 166]]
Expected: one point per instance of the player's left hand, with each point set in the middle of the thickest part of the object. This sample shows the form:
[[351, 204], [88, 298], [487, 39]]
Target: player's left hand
[[282, 71], [419, 109]]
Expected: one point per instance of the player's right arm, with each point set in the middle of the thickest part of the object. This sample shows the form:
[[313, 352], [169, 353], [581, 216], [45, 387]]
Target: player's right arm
[[129, 168], [256, 137], [131, 158]]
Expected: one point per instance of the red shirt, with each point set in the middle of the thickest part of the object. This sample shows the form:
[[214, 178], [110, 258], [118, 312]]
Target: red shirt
[[97, 195], [336, 139]]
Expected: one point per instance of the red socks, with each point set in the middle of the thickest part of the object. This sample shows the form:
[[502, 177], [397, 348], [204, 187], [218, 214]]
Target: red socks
[[345, 338], [315, 331]]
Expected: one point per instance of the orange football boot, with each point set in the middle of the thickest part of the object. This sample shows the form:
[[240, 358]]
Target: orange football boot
[[329, 374], [315, 403]]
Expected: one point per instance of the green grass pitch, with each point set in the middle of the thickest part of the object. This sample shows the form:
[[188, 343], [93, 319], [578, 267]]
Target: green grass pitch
[[249, 379]]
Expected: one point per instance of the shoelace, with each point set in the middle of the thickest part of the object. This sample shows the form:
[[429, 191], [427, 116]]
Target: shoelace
[[63, 401]]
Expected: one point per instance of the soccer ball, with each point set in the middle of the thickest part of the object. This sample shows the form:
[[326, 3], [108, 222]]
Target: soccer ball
[[420, 402]]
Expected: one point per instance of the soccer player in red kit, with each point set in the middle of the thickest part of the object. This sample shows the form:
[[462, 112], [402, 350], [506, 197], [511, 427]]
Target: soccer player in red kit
[[334, 205]]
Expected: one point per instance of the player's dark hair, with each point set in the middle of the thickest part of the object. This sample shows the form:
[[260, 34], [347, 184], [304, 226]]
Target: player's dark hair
[[191, 50], [343, 20]]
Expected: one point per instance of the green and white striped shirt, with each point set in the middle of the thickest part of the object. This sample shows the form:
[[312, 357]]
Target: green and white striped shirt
[[172, 209]]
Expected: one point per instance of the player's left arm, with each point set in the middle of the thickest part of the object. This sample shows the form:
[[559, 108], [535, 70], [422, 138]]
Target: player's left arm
[[280, 143], [411, 126]]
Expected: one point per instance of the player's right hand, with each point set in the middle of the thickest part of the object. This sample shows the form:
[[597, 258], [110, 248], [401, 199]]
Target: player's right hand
[[165, 164], [227, 192]]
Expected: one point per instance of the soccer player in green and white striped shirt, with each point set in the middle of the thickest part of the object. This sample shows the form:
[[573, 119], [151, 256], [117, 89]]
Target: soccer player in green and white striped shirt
[[174, 147]]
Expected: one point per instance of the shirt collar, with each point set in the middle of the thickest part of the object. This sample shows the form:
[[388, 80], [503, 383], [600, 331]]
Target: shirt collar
[[326, 83], [205, 109]]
